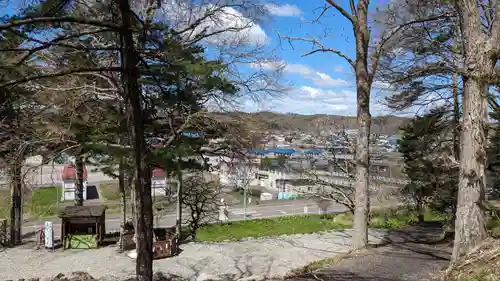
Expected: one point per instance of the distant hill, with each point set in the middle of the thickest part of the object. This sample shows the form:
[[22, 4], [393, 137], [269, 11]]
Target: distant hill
[[311, 123]]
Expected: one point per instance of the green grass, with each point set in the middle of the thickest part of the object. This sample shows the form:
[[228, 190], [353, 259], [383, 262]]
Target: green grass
[[43, 202], [494, 227], [305, 224], [394, 218], [4, 203], [40, 203], [268, 227]]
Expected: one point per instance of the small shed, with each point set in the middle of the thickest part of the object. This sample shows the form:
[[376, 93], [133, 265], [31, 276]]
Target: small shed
[[83, 227], [68, 183]]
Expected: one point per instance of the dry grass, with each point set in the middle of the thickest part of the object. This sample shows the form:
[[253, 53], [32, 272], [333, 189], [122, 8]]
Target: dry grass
[[110, 191], [482, 265]]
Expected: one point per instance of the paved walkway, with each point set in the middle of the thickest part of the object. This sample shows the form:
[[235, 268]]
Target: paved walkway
[[410, 255], [272, 257]]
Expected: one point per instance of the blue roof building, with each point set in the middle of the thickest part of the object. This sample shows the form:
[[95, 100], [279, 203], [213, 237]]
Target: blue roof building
[[313, 151], [282, 151]]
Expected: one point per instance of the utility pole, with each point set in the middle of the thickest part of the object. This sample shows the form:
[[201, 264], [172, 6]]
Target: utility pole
[[178, 222], [245, 202]]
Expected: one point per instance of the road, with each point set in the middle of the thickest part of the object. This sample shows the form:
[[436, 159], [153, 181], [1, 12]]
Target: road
[[236, 213]]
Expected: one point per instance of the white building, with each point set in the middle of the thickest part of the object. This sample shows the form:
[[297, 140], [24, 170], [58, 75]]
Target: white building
[[161, 185], [68, 183]]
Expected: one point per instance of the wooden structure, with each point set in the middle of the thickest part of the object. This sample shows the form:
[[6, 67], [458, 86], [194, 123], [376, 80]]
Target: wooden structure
[[165, 244], [83, 225]]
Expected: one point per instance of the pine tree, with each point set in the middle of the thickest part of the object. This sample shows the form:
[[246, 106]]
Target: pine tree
[[425, 146]]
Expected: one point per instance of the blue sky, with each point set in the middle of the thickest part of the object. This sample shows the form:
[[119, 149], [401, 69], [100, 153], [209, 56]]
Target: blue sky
[[322, 83]]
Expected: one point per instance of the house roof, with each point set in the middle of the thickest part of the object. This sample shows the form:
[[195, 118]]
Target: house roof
[[313, 151], [280, 150], [158, 173], [82, 211], [69, 172], [258, 151]]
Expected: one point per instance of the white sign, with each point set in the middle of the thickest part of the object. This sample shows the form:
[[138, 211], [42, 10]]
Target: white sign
[[48, 232], [223, 214]]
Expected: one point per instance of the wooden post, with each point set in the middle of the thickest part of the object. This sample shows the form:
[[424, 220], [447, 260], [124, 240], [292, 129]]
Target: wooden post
[[3, 232], [63, 234]]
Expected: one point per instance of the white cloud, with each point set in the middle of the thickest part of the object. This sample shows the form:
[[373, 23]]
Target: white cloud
[[227, 25], [379, 85], [312, 91], [318, 78], [339, 69], [325, 80], [298, 69], [311, 100], [286, 10]]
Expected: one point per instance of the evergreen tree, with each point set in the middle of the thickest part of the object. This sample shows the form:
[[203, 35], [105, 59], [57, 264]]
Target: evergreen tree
[[494, 155], [426, 150]]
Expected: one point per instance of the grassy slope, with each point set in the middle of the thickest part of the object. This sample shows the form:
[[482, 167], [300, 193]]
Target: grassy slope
[[301, 225]]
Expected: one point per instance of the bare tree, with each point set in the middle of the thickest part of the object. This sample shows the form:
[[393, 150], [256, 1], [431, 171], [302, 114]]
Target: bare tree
[[334, 182], [201, 199], [241, 175], [365, 66]]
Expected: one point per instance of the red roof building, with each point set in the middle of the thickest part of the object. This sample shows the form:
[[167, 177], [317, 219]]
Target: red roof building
[[158, 173], [69, 173]]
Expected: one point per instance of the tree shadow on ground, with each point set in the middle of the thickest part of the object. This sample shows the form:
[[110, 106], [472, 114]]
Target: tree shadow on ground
[[339, 276], [242, 267], [409, 254]]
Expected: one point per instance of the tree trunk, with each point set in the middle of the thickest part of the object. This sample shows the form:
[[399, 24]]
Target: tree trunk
[[470, 220], [361, 197], [142, 188], [470, 226], [123, 202], [420, 211], [16, 211], [456, 144], [78, 179], [456, 117], [178, 224], [130, 187]]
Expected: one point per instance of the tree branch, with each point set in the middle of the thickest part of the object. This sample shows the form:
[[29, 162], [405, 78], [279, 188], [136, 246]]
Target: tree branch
[[21, 22], [55, 42], [495, 34], [387, 36], [57, 74], [321, 48], [343, 11]]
